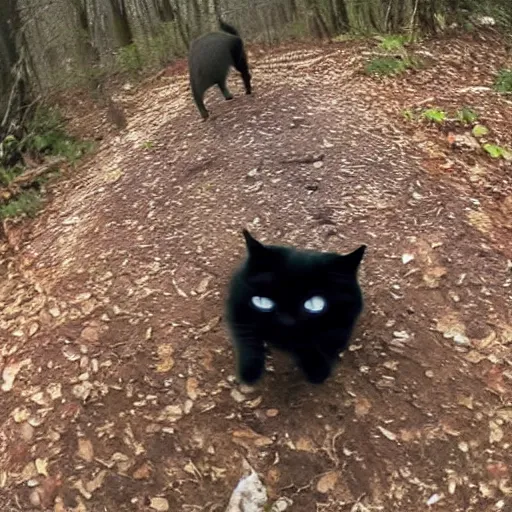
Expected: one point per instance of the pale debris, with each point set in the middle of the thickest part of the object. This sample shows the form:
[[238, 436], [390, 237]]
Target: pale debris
[[249, 495]]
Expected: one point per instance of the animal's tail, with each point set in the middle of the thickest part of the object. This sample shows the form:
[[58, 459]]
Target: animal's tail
[[228, 28]]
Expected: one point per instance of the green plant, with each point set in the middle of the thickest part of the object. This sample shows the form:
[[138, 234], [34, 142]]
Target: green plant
[[393, 43], [497, 151], [479, 130], [129, 58], [47, 136], [408, 114], [389, 66], [7, 174], [435, 115], [148, 144], [466, 116], [27, 203], [503, 82]]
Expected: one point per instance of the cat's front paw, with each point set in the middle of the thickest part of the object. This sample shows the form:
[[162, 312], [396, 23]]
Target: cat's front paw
[[318, 374], [250, 372]]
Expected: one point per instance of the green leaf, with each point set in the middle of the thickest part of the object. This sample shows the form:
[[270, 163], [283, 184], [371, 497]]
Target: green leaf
[[466, 115], [497, 151], [435, 115], [479, 130]]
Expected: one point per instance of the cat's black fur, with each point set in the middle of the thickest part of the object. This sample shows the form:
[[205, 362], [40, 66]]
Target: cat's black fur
[[209, 60], [289, 277]]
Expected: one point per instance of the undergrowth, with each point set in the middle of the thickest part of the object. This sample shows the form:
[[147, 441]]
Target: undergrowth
[[503, 82], [44, 136], [393, 58]]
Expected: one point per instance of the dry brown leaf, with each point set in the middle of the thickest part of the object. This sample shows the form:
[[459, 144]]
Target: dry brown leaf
[[192, 385], [248, 437], [42, 466], [143, 472], [10, 372], [465, 401], [159, 504], [475, 357], [432, 276], [96, 482], [387, 433], [496, 432], [85, 449], [480, 221], [362, 407], [90, 334], [166, 361], [327, 482], [171, 413], [305, 444]]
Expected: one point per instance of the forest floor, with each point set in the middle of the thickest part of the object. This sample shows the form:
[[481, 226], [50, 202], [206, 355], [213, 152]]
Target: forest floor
[[118, 391]]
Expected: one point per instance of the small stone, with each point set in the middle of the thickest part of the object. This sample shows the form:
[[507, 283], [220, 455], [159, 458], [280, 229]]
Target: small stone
[[272, 413]]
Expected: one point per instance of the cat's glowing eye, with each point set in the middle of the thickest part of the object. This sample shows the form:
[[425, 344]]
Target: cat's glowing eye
[[315, 305], [263, 303]]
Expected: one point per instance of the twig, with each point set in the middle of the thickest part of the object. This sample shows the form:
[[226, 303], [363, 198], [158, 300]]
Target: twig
[[307, 159]]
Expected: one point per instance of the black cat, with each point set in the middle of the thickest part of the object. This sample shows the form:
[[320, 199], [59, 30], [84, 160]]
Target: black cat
[[303, 302], [209, 60]]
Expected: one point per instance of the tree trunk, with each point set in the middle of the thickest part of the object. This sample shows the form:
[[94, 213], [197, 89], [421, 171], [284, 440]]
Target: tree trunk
[[122, 28], [13, 90]]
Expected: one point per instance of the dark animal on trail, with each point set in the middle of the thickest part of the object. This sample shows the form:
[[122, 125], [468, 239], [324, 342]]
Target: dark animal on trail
[[209, 60], [305, 303]]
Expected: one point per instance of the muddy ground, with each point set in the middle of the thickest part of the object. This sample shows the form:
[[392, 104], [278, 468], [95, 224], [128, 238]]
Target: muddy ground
[[118, 390]]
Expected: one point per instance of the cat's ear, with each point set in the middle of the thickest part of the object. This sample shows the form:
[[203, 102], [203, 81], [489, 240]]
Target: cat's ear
[[349, 262], [254, 248], [354, 258]]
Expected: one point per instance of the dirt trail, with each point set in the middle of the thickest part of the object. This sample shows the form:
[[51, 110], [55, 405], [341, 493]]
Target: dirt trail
[[127, 393]]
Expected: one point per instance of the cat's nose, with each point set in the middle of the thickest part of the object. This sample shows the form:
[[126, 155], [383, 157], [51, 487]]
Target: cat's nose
[[286, 319]]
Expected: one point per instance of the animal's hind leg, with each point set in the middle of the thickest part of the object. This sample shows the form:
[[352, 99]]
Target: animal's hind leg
[[224, 90], [198, 99]]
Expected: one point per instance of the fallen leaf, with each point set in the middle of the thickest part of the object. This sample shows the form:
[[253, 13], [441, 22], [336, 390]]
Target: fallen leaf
[[166, 362], [82, 391], [466, 401], [249, 495], [159, 504], [451, 327], [327, 482], [480, 221], [10, 372], [432, 276], [143, 472], [96, 482], [90, 334], [362, 407], [42, 466], [387, 433], [435, 498], [237, 396], [496, 432], [171, 413], [113, 175], [192, 385], [305, 445], [407, 258], [248, 437], [85, 449], [475, 357]]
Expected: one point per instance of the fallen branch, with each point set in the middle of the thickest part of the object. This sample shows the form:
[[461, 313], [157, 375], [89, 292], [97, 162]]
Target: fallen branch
[[307, 159], [28, 178]]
